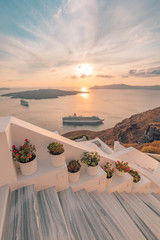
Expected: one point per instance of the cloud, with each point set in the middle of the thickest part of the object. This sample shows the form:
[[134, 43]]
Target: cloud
[[104, 76], [74, 77], [152, 72], [83, 75], [59, 35]]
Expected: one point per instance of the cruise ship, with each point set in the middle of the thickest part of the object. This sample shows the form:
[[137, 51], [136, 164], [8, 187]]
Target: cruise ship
[[24, 103], [80, 120]]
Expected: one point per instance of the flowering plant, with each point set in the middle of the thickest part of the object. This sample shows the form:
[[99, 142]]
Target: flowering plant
[[122, 166], [55, 148], [25, 153], [91, 159], [108, 169]]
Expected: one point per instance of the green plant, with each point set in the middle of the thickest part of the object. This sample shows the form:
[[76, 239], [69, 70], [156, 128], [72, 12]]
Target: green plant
[[24, 153], [108, 168], [122, 166], [135, 175], [55, 148], [74, 166], [91, 159]]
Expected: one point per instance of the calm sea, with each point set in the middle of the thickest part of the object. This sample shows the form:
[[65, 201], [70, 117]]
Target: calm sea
[[112, 105]]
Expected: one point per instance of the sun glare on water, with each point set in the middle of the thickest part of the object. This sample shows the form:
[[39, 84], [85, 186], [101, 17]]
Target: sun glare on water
[[84, 70], [84, 93]]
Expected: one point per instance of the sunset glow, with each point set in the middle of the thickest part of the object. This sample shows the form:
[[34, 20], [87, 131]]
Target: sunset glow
[[67, 43], [83, 89], [84, 70]]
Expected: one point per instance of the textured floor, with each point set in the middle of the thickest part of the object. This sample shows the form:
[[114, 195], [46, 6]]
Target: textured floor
[[47, 215], [52, 220], [22, 215]]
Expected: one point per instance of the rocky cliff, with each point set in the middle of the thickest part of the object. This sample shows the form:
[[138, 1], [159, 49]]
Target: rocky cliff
[[139, 128]]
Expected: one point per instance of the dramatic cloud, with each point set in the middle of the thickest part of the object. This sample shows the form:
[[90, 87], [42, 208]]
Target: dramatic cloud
[[48, 39], [153, 72]]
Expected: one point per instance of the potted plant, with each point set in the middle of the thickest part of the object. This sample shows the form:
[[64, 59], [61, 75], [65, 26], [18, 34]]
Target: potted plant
[[108, 168], [56, 151], [135, 175], [26, 157], [73, 170], [91, 159], [121, 168]]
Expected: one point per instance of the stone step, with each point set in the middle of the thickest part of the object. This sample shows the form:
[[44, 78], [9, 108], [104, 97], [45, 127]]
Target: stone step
[[119, 219], [145, 219], [117, 210], [4, 205], [150, 202], [157, 196], [23, 222], [102, 225], [78, 227], [51, 216]]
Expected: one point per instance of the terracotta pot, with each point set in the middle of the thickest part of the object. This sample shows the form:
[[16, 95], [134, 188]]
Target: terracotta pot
[[73, 177], [29, 167], [58, 160], [121, 174], [92, 170]]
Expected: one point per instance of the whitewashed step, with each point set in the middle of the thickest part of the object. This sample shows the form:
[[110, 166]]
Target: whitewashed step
[[148, 221], [90, 183], [121, 184], [51, 217], [103, 226], [78, 227], [23, 222], [143, 186], [4, 202], [116, 209]]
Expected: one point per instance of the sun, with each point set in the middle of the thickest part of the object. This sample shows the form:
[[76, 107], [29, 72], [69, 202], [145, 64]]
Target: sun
[[84, 70], [84, 89]]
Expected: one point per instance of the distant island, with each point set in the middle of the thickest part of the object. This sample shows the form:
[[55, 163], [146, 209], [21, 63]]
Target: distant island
[[125, 86], [41, 94], [4, 88]]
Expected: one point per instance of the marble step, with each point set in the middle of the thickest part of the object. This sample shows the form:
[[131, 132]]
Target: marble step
[[78, 227], [23, 222], [4, 205], [116, 209], [157, 196], [103, 226], [51, 216], [151, 202], [145, 219], [118, 219]]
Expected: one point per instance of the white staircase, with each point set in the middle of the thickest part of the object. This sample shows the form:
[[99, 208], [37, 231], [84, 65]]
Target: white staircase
[[46, 215]]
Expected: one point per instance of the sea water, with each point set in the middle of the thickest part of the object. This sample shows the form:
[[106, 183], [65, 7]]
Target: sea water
[[111, 105]]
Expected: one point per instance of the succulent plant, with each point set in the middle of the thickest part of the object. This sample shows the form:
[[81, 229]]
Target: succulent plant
[[55, 148], [135, 175], [91, 158], [74, 166]]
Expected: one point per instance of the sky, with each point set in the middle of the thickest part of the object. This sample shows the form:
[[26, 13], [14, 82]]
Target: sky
[[77, 43]]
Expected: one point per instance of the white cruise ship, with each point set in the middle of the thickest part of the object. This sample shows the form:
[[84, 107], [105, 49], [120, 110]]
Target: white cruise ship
[[80, 120]]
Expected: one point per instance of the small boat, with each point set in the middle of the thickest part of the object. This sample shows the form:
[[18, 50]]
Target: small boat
[[24, 103], [80, 120]]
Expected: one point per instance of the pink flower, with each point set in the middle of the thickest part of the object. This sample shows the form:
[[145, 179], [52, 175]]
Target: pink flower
[[17, 155], [14, 151], [13, 146], [26, 140]]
